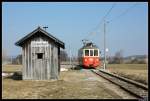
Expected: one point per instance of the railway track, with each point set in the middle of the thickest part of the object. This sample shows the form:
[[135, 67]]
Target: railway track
[[138, 90]]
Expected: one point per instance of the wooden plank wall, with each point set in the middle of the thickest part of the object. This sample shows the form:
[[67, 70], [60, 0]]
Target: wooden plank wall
[[54, 62], [40, 69]]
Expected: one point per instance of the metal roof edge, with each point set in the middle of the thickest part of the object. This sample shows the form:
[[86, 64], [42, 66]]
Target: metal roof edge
[[53, 37], [44, 32], [25, 37]]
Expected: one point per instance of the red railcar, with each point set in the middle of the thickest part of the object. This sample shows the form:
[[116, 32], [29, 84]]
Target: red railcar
[[89, 56]]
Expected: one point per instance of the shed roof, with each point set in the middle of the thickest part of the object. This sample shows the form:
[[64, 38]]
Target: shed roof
[[21, 41]]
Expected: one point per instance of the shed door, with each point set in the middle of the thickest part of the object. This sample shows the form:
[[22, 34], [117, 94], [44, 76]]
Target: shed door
[[40, 66], [40, 60]]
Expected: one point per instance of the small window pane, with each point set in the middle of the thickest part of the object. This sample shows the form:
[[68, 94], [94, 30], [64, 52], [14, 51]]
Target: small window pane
[[91, 52], [39, 55], [95, 52], [86, 52]]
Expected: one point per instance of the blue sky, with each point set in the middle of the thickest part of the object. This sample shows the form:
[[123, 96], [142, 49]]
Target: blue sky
[[71, 22]]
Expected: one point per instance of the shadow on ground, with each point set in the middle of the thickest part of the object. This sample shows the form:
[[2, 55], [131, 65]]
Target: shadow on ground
[[15, 76], [78, 67]]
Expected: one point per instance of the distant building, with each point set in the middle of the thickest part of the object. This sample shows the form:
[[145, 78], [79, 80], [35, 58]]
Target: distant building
[[40, 55]]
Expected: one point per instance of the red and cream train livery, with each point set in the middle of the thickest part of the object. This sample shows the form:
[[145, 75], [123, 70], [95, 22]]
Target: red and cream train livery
[[88, 56]]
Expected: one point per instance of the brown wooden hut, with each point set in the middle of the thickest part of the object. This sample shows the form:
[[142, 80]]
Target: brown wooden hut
[[40, 55]]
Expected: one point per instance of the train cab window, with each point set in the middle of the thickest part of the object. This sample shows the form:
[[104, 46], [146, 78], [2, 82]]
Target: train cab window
[[86, 52], [91, 52], [95, 52]]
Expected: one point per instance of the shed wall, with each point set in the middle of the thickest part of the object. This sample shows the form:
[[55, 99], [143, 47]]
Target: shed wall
[[40, 69]]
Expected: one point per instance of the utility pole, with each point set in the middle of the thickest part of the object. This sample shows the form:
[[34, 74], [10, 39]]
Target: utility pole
[[11, 59], [70, 56], [104, 45]]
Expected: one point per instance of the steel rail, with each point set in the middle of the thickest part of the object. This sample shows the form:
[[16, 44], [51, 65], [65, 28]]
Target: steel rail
[[136, 89], [127, 80]]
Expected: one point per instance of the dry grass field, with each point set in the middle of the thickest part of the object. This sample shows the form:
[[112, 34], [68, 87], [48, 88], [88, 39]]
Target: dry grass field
[[11, 68], [138, 72], [25, 89], [75, 84]]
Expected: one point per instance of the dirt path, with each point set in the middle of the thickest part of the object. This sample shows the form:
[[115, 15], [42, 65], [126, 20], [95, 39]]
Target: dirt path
[[74, 84], [93, 86]]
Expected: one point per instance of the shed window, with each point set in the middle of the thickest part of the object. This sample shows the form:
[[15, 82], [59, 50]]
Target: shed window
[[39, 55], [86, 52], [95, 52]]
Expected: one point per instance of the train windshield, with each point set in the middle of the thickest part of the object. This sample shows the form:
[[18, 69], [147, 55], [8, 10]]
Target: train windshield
[[95, 52], [91, 52], [86, 52]]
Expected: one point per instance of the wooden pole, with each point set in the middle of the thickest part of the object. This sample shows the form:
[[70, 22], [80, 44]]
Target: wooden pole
[[104, 45]]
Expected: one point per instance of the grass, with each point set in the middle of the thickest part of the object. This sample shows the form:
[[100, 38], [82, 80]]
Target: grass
[[137, 72], [68, 88], [70, 85], [11, 68]]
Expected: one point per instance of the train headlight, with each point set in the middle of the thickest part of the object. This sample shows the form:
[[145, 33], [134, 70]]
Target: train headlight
[[91, 59], [97, 59], [85, 59]]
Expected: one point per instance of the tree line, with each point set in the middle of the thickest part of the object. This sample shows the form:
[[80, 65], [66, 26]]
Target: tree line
[[119, 59], [116, 59]]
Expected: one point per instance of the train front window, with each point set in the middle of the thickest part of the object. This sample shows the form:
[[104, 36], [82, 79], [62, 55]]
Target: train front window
[[95, 52], [91, 52], [86, 52]]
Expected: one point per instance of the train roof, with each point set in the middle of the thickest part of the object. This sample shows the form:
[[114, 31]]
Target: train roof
[[89, 46]]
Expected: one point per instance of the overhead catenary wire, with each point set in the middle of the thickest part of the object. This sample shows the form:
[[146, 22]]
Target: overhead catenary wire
[[100, 23], [123, 13]]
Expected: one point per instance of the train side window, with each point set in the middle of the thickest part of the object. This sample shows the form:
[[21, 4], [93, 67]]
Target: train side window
[[91, 52], [95, 52], [86, 52]]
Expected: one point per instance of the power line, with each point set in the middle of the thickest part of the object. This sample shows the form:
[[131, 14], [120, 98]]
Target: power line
[[106, 14], [125, 12], [113, 5], [109, 11]]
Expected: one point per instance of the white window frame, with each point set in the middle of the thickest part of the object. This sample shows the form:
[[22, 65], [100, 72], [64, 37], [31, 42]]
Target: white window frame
[[98, 53], [89, 52], [84, 52]]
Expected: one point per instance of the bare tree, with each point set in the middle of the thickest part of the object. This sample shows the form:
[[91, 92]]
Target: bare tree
[[19, 59], [118, 58], [63, 55], [4, 56]]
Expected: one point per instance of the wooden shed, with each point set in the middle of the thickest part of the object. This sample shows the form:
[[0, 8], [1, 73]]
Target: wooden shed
[[40, 55]]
